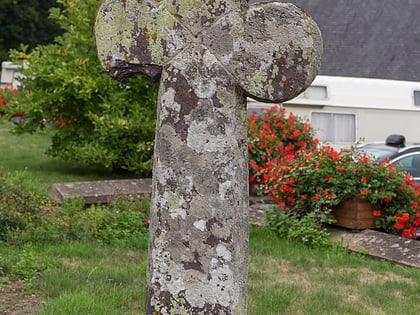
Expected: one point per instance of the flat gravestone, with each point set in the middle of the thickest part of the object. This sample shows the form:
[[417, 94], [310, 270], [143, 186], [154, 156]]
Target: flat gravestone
[[208, 56], [380, 245], [100, 192]]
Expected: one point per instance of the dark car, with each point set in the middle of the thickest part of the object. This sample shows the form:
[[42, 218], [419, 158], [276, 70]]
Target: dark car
[[405, 156]]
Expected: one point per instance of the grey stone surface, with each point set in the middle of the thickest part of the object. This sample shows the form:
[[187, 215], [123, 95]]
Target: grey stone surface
[[208, 56], [100, 192], [380, 245]]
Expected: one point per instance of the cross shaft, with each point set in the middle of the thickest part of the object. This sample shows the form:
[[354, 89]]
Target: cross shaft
[[209, 56]]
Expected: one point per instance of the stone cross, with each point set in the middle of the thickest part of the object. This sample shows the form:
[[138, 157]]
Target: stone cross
[[209, 56]]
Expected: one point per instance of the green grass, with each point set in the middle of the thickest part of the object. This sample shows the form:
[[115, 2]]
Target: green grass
[[288, 278], [27, 153], [87, 278], [284, 277]]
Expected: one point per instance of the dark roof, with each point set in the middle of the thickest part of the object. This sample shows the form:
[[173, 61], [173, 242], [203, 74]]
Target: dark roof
[[368, 38]]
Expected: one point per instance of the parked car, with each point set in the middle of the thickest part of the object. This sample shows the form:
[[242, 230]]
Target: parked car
[[405, 156], [259, 108]]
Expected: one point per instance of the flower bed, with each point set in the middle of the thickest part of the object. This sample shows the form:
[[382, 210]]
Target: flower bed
[[315, 181], [304, 178]]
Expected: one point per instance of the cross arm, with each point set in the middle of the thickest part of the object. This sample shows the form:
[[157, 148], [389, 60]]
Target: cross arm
[[276, 51], [135, 36]]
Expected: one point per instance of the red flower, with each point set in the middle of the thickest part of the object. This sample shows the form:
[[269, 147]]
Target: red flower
[[406, 233], [376, 213], [327, 193], [148, 221], [399, 225], [264, 178], [402, 217], [364, 159], [290, 180], [414, 232], [388, 199], [316, 198], [339, 168], [363, 179], [286, 188], [364, 191]]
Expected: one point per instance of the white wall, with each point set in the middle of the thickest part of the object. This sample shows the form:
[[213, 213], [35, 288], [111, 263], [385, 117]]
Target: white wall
[[9, 74]]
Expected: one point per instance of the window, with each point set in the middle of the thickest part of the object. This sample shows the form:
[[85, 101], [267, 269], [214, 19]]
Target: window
[[315, 92], [334, 127], [417, 98], [409, 163]]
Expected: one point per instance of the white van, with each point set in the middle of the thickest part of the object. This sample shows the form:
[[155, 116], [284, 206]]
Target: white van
[[343, 109]]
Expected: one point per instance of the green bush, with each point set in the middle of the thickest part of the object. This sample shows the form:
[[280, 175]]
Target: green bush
[[97, 120], [125, 219], [29, 265], [20, 207], [26, 216], [304, 229]]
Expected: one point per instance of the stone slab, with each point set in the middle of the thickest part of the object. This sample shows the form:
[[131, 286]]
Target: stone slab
[[380, 245], [101, 192]]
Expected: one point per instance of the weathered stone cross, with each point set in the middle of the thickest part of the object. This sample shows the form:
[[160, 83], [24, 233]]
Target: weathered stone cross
[[209, 56]]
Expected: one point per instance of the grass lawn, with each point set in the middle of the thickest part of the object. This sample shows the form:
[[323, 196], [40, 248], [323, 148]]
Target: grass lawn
[[27, 153], [284, 278], [97, 279]]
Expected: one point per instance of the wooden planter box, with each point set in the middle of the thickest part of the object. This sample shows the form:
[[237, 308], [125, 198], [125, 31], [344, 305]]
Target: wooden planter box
[[355, 214]]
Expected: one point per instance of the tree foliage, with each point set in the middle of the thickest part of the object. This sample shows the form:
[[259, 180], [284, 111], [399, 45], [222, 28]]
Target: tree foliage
[[97, 119], [25, 21]]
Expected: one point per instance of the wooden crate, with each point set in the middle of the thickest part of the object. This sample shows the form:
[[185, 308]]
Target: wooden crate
[[355, 214]]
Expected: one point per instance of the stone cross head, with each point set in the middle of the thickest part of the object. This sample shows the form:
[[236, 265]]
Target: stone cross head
[[271, 50]]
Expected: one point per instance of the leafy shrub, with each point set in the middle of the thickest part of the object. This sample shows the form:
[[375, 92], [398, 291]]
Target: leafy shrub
[[314, 181], [125, 219], [97, 120], [307, 179], [273, 135], [27, 216], [20, 206], [304, 229], [29, 266]]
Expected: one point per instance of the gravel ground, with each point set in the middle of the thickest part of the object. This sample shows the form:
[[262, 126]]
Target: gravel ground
[[16, 299]]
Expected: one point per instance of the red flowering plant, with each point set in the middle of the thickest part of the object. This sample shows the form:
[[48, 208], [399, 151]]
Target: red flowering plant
[[273, 135], [6, 94], [314, 181]]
